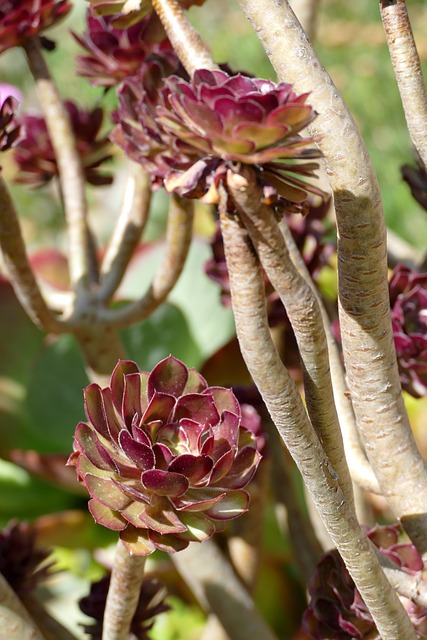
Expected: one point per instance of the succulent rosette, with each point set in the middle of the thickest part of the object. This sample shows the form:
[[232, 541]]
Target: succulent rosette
[[127, 12], [115, 54], [150, 604], [408, 300], [214, 120], [35, 157], [163, 456], [336, 609], [22, 19]]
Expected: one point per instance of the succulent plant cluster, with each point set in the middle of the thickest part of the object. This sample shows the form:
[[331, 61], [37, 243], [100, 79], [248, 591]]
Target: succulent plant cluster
[[163, 456], [336, 609], [150, 604], [408, 300], [35, 157], [195, 130], [22, 19], [22, 563]]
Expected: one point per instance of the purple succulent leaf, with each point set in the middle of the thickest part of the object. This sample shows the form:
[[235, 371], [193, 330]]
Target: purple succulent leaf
[[199, 528], [242, 470], [92, 448], [133, 489], [198, 499], [232, 505], [231, 149], [140, 436], [153, 428], [195, 383], [167, 543], [193, 431], [200, 408], [209, 95], [137, 541], [226, 434], [105, 516], [169, 376], [133, 512], [140, 454], [222, 466], [131, 403], [163, 456], [265, 136], [164, 483], [384, 536], [161, 517], [84, 465], [114, 424], [195, 468], [104, 490], [117, 382], [94, 409], [225, 400], [208, 446], [408, 556], [160, 407]]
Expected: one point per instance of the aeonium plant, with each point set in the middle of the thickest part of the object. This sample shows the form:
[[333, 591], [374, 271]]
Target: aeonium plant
[[164, 457]]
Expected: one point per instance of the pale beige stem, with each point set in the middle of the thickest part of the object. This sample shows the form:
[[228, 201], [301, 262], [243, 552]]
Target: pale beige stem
[[214, 630], [19, 269], [185, 40], [407, 69], [372, 373], [101, 347], [81, 248], [286, 409], [217, 588], [123, 595], [360, 469], [127, 233], [178, 239], [16, 623], [307, 13], [303, 312]]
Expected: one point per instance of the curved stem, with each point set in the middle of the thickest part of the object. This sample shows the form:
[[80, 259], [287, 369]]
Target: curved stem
[[19, 269], [185, 40], [407, 69], [128, 231], [81, 253], [369, 355], [178, 239], [216, 586], [16, 623], [286, 409], [360, 469], [123, 594], [101, 347], [303, 312]]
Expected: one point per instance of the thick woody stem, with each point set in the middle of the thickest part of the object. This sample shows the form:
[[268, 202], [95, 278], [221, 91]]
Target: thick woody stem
[[81, 251], [101, 348], [185, 40], [371, 366], [19, 269], [51, 628], [407, 69], [360, 469], [307, 13], [128, 231], [303, 312], [286, 409], [123, 594], [16, 623], [178, 239], [216, 586]]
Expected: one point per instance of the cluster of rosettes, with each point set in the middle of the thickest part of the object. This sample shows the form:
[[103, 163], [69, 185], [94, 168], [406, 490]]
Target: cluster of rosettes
[[23, 19], [150, 604], [408, 300], [163, 456], [337, 611], [187, 134], [35, 157], [126, 12]]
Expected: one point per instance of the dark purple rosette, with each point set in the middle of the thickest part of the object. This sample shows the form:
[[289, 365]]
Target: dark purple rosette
[[336, 609], [200, 128], [23, 19], [408, 300], [163, 456], [35, 157]]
